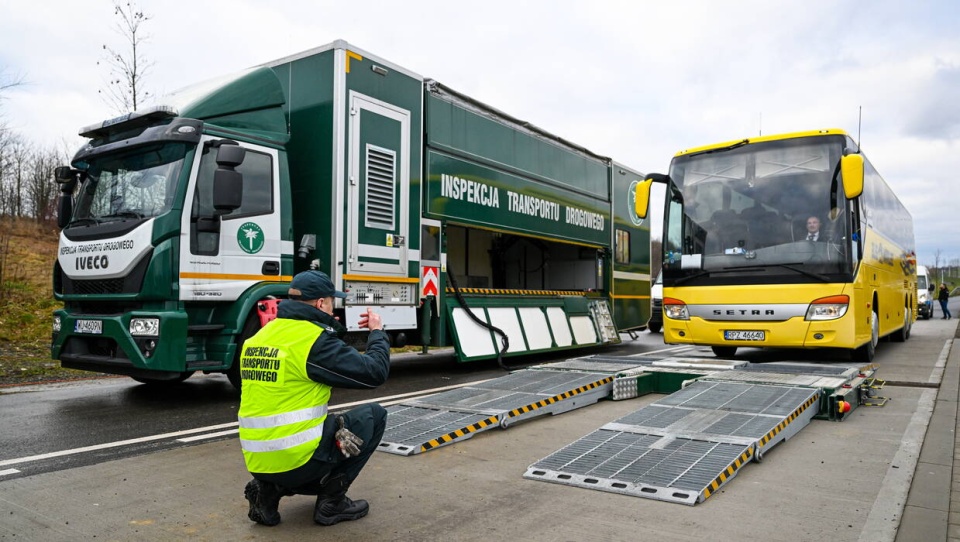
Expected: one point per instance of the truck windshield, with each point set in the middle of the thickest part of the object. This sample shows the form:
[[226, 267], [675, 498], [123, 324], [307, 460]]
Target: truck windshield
[[133, 185], [766, 209]]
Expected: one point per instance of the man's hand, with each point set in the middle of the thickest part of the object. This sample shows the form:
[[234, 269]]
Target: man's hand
[[370, 320], [348, 443]]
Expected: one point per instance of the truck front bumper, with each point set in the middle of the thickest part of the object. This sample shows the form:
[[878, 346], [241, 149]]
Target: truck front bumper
[[103, 343]]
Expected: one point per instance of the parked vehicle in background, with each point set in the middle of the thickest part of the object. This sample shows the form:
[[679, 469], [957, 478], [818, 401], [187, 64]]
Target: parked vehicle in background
[[925, 292], [656, 305]]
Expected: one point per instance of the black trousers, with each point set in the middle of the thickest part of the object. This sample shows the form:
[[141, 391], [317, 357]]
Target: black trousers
[[366, 421]]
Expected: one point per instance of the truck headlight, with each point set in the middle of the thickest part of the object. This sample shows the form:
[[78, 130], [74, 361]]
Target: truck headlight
[[828, 308], [56, 323], [923, 298], [145, 327]]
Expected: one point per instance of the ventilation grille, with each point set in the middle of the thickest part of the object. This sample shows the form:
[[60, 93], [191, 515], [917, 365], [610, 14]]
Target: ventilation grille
[[381, 170]]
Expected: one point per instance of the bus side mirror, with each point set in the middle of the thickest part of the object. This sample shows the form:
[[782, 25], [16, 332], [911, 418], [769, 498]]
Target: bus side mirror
[[851, 167], [641, 198], [227, 181]]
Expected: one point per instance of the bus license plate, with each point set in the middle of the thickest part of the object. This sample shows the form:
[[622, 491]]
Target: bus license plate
[[89, 326], [743, 335]]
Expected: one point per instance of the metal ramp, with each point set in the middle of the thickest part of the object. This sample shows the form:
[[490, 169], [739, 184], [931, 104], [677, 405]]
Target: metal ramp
[[686, 446], [424, 424]]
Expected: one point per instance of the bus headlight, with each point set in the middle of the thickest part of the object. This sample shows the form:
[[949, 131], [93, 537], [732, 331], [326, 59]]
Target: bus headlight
[[828, 308], [145, 327], [675, 309]]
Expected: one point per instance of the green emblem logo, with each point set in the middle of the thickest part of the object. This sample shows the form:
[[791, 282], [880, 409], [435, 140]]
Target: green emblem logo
[[250, 238]]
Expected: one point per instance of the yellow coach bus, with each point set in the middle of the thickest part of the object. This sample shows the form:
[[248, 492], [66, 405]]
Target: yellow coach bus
[[791, 241]]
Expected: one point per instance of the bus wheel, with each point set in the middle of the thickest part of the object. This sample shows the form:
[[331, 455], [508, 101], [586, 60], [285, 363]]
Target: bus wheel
[[654, 328], [250, 328], [724, 351], [161, 382], [865, 353], [904, 333]]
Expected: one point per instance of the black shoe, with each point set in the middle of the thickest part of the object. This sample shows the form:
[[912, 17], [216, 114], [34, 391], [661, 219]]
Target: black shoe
[[333, 510], [264, 500]]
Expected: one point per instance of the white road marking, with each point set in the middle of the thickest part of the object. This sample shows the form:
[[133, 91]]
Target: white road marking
[[8, 471]]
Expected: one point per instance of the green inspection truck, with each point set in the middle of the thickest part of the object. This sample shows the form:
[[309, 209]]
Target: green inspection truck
[[182, 224]]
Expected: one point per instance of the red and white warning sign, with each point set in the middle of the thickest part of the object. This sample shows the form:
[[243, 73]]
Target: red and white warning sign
[[430, 281]]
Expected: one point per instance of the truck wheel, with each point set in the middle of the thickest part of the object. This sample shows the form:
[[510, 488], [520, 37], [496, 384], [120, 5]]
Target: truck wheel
[[865, 353], [724, 351], [250, 328], [160, 382], [654, 328]]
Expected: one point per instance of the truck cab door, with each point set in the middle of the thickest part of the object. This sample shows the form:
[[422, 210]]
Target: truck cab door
[[221, 257], [378, 192]]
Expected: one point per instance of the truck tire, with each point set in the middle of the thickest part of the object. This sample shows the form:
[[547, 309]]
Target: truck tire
[[250, 328]]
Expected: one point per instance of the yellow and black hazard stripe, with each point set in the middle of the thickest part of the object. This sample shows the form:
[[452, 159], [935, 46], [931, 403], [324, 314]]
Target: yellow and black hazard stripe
[[501, 291], [565, 395], [793, 416], [451, 436], [745, 456], [728, 472]]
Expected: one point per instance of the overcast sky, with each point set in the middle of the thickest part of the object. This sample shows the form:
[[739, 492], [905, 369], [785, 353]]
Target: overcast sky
[[633, 80]]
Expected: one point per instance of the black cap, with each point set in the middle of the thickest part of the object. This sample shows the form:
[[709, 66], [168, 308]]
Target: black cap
[[313, 285]]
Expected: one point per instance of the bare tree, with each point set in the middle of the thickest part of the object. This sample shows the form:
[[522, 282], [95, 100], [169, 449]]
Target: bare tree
[[42, 189], [128, 66]]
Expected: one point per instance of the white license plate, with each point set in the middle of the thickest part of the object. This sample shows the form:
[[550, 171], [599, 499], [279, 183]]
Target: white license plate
[[744, 335], [88, 326]]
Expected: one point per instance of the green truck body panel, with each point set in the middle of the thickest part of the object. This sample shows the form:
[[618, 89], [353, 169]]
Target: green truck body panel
[[396, 180]]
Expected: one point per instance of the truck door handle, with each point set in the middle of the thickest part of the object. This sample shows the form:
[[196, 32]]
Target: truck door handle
[[270, 268]]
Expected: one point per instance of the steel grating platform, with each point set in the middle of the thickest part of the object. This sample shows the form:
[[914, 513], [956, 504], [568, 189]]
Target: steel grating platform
[[424, 424], [685, 446]]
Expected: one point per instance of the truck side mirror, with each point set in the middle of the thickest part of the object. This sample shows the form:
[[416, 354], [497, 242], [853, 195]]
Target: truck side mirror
[[851, 167], [227, 181], [66, 177]]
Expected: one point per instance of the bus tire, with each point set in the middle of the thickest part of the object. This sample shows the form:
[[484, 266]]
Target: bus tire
[[724, 351], [654, 328], [903, 333], [250, 328], [865, 353]]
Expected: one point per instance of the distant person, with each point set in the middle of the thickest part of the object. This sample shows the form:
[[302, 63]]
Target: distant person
[[943, 296], [813, 229], [291, 444]]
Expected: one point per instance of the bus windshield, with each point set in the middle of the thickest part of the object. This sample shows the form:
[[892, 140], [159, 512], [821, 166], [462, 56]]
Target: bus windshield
[[772, 211], [133, 185]]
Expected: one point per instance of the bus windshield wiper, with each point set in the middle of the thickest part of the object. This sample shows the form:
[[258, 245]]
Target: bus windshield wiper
[[722, 149], [699, 274]]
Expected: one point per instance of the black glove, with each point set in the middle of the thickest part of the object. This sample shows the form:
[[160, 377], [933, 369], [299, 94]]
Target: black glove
[[348, 443]]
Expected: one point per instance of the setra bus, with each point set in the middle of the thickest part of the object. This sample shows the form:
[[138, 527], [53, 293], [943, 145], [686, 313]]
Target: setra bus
[[790, 241]]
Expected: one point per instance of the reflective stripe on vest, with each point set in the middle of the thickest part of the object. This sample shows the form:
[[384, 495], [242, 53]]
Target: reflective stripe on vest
[[281, 410], [266, 422]]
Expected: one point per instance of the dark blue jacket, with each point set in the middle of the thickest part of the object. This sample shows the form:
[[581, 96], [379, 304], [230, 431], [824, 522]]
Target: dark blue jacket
[[334, 362]]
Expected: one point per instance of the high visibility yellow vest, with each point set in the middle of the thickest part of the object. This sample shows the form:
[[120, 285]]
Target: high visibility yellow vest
[[281, 410]]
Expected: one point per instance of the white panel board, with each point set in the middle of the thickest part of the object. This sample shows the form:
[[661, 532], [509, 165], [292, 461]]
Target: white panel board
[[535, 324], [506, 319], [474, 339], [583, 329], [559, 326]]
